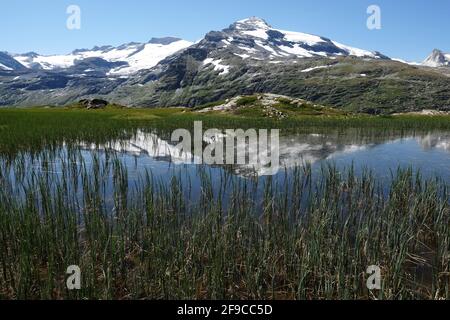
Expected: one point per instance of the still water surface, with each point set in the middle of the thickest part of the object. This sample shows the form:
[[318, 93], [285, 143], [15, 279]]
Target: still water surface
[[148, 153], [380, 153]]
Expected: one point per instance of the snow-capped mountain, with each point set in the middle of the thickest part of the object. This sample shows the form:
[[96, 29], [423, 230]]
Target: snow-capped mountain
[[249, 38], [253, 41], [255, 38], [247, 48], [248, 57], [131, 57], [437, 59]]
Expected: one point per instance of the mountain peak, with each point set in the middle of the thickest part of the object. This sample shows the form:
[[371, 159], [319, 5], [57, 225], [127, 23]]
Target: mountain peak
[[254, 38], [30, 54], [437, 59], [252, 23]]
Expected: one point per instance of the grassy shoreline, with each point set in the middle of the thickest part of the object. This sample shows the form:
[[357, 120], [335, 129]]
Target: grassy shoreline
[[32, 126]]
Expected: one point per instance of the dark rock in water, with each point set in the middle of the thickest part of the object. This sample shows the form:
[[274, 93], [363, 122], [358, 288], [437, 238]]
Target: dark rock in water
[[94, 103]]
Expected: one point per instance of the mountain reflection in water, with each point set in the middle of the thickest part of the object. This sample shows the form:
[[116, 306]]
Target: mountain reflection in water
[[298, 149]]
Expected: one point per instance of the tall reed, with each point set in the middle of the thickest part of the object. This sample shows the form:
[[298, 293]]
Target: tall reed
[[303, 236]]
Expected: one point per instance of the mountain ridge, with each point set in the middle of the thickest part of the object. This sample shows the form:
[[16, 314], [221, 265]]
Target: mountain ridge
[[253, 26], [131, 53]]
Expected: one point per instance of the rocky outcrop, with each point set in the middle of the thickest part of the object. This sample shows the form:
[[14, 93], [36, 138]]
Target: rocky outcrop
[[93, 104]]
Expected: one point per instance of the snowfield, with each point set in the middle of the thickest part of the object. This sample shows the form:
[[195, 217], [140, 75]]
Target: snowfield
[[138, 56]]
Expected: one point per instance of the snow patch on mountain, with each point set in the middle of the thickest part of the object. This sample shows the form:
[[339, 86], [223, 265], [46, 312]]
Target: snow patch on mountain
[[412, 63], [149, 56], [309, 39], [47, 62], [217, 66], [314, 68], [297, 50], [243, 56], [258, 33], [355, 51]]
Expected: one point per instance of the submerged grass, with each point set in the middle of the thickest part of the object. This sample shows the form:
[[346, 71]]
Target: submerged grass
[[303, 237]]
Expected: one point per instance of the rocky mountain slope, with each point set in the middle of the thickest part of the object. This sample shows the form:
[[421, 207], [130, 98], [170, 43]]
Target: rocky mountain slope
[[33, 79], [252, 57], [248, 57], [8, 63]]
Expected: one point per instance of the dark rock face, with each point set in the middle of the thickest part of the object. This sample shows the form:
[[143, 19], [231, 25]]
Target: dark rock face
[[10, 63], [94, 103], [214, 36], [273, 35], [163, 41], [97, 63], [48, 82]]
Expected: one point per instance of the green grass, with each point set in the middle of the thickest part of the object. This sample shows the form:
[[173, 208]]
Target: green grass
[[209, 105], [247, 100]]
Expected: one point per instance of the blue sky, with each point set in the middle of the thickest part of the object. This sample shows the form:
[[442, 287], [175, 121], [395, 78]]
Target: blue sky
[[410, 29]]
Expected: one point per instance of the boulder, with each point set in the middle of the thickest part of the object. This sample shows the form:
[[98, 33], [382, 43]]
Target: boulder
[[94, 103]]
